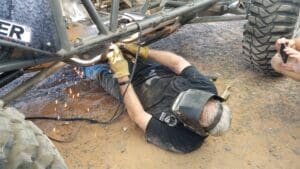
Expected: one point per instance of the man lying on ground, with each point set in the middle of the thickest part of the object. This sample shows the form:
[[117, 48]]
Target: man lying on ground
[[176, 106]]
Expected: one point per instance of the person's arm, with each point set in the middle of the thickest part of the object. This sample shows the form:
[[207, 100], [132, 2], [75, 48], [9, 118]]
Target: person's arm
[[133, 105], [169, 59]]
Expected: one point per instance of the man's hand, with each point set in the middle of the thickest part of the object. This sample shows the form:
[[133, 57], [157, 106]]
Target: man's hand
[[133, 48], [117, 62]]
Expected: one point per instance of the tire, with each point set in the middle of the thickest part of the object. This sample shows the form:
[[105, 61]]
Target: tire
[[268, 20], [23, 145]]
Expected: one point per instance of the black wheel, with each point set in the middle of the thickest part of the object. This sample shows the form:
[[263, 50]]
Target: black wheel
[[268, 20], [23, 145]]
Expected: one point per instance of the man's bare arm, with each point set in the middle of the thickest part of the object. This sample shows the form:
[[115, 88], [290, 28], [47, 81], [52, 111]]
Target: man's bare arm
[[119, 66], [134, 107], [169, 59]]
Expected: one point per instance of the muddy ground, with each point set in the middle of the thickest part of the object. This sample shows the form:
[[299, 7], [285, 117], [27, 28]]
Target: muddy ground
[[265, 132]]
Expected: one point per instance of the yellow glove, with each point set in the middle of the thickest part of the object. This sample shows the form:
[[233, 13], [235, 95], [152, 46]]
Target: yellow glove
[[132, 48], [117, 62]]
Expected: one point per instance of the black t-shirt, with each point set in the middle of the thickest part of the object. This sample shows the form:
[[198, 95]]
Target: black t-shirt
[[157, 87]]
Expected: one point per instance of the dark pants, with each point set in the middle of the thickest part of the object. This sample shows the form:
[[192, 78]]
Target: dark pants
[[102, 74]]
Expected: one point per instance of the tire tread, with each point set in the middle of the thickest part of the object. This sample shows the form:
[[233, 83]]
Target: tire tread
[[268, 21], [23, 145]]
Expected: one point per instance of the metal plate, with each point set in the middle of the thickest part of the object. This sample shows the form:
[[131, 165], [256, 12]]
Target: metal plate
[[15, 31]]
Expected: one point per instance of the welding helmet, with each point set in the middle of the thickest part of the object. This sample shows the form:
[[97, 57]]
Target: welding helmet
[[188, 107]]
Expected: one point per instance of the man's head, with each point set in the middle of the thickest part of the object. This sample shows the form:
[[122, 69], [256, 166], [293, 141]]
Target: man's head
[[202, 112], [209, 115]]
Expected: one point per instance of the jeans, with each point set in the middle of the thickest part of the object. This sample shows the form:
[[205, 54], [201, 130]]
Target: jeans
[[102, 74]]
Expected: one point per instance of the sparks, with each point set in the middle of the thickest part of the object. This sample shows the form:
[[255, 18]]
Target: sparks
[[70, 91]]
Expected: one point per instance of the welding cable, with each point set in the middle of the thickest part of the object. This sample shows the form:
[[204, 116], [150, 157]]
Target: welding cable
[[59, 118]]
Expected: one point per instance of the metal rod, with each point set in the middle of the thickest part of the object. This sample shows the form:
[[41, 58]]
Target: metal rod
[[26, 48], [174, 3], [89, 62], [18, 64], [114, 15], [19, 90], [60, 24], [145, 7], [7, 77], [146, 31], [218, 18], [136, 9], [94, 16]]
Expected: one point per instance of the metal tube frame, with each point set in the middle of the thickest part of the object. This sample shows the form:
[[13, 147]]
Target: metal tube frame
[[105, 36], [89, 6], [114, 15], [61, 27], [174, 3], [145, 7], [150, 21], [218, 19], [7, 77]]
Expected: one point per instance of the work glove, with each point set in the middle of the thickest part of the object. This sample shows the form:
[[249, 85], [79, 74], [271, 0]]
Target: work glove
[[133, 48], [117, 63]]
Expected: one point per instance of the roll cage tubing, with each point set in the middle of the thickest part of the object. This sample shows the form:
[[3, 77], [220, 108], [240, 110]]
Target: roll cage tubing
[[107, 32]]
